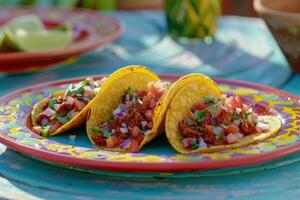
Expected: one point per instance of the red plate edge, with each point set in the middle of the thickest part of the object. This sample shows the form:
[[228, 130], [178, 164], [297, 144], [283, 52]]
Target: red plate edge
[[152, 167]]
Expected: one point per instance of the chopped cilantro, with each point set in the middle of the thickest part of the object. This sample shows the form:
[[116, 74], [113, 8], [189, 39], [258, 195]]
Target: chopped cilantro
[[190, 122], [110, 118], [247, 114], [106, 133], [70, 114], [220, 137], [236, 117], [199, 115], [95, 129], [62, 120], [85, 82], [51, 104], [45, 131], [129, 91], [209, 100], [194, 144]]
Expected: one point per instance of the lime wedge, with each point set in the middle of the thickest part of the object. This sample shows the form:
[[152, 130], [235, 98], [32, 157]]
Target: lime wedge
[[25, 22], [42, 40], [28, 33]]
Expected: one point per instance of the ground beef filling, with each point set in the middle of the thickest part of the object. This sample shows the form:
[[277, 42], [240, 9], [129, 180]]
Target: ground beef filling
[[131, 121], [218, 121], [60, 110]]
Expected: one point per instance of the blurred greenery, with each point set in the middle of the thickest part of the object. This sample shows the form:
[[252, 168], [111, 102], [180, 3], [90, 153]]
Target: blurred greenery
[[91, 4]]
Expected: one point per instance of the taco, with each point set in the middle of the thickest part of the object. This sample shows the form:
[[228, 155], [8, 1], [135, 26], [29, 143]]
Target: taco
[[64, 109], [200, 118], [129, 110]]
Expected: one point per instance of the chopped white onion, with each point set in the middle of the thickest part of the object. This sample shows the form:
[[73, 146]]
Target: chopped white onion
[[238, 110], [202, 144], [124, 124], [144, 123], [240, 135], [147, 132], [124, 130], [113, 130], [139, 101]]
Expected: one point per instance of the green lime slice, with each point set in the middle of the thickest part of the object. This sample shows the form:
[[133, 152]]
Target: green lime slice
[[42, 40], [25, 22]]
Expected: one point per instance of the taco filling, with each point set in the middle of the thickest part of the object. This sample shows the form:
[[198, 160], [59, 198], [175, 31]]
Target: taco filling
[[58, 111], [220, 121], [131, 120]]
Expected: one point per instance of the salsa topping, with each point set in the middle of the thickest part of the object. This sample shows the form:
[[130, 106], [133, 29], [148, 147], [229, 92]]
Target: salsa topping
[[131, 120], [220, 121], [60, 110]]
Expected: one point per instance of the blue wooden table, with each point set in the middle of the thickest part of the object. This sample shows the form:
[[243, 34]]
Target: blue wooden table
[[243, 49]]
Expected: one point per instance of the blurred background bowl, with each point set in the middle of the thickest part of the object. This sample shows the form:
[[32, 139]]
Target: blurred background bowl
[[283, 19]]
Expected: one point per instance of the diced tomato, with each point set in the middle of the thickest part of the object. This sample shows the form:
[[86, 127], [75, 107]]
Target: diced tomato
[[134, 131], [209, 128], [139, 138], [89, 92], [187, 142], [149, 125], [146, 100], [37, 129], [99, 139], [54, 126], [48, 112], [101, 81], [245, 108], [141, 93], [200, 106], [232, 129], [69, 101], [190, 115], [232, 138], [152, 103], [79, 105], [149, 115], [234, 102], [134, 146], [111, 142]]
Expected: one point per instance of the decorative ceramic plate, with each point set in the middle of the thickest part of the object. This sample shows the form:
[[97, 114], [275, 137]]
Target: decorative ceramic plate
[[91, 30], [157, 156]]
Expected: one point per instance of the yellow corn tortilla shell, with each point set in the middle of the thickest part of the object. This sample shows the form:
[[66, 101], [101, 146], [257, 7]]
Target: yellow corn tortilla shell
[[195, 88], [113, 90], [75, 122]]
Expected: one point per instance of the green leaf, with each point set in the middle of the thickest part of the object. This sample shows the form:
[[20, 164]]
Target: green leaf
[[194, 144], [95, 129], [62, 120], [85, 82], [220, 137], [51, 104], [190, 122], [129, 91], [199, 115], [70, 113], [209, 100], [106, 133], [45, 131]]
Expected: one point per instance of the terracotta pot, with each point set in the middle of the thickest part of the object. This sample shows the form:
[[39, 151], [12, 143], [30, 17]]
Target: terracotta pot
[[283, 19]]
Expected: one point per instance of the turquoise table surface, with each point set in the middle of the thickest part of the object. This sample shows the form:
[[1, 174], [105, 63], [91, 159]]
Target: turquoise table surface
[[242, 49]]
